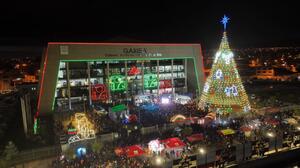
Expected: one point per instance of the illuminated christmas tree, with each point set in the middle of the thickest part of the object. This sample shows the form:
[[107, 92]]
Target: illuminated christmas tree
[[223, 90]]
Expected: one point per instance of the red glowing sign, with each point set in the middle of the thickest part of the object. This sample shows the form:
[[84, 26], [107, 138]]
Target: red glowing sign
[[99, 92], [72, 131], [134, 71], [165, 84]]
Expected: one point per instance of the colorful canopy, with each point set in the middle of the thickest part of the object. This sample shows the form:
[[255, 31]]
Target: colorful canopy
[[119, 151], [272, 121], [291, 121], [195, 137], [211, 116], [118, 108], [173, 143], [132, 118], [134, 150], [245, 128], [227, 131], [177, 118]]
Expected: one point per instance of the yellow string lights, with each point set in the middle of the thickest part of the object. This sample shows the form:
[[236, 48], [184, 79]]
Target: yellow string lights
[[223, 90]]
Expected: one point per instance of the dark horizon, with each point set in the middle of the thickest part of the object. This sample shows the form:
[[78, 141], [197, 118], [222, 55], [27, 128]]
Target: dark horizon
[[252, 24]]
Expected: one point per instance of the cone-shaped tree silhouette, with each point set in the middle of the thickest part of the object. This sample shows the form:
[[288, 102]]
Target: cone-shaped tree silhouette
[[10, 150], [223, 90]]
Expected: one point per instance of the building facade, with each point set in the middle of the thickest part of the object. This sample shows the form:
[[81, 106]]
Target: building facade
[[116, 72]]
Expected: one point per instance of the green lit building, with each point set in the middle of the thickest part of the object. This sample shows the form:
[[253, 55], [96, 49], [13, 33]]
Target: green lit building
[[116, 72]]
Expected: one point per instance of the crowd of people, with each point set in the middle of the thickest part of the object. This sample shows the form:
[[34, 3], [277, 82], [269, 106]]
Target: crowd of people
[[100, 160], [107, 158], [165, 112]]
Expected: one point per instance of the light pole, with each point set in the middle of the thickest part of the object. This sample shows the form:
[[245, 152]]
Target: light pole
[[139, 116], [272, 135], [203, 152], [158, 161]]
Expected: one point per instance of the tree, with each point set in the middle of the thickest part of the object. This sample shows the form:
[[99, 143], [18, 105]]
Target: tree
[[10, 150], [3, 163], [223, 90], [272, 100], [96, 146], [187, 131], [69, 153]]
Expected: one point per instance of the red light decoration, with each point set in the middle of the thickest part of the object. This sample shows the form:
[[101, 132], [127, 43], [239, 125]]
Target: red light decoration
[[165, 84], [132, 118], [72, 131], [134, 71], [99, 92]]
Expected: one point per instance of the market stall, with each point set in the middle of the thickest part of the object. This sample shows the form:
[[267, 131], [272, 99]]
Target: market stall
[[247, 130], [178, 118], [195, 138], [155, 146], [226, 132], [173, 146], [134, 151], [291, 121], [271, 122], [119, 151]]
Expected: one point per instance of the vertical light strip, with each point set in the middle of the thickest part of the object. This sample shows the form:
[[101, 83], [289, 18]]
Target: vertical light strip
[[126, 78], [185, 75], [143, 82], [42, 84], [157, 68], [172, 78], [107, 81], [68, 85], [89, 82]]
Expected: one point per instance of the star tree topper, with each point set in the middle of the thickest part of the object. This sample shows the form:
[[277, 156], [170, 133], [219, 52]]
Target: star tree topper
[[224, 21]]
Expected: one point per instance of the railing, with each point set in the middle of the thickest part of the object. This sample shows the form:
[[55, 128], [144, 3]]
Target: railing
[[35, 154], [279, 109]]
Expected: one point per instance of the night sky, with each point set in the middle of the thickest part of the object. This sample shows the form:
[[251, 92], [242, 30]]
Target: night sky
[[252, 24]]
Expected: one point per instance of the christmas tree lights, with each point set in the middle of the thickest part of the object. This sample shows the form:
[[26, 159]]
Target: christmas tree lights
[[223, 91]]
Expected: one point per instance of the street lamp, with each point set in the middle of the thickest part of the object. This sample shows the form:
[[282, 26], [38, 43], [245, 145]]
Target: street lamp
[[272, 135], [158, 161], [203, 152]]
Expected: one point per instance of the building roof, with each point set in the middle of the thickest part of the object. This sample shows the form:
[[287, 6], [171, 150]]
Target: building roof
[[134, 150], [173, 143], [282, 72]]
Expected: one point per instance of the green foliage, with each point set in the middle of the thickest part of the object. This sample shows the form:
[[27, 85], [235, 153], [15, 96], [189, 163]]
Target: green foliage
[[187, 131], [96, 146], [10, 150], [3, 163], [69, 153], [297, 111]]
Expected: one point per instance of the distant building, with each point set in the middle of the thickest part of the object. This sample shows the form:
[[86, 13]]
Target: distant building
[[254, 63], [5, 82], [30, 79], [27, 79], [278, 74], [265, 73], [28, 99]]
